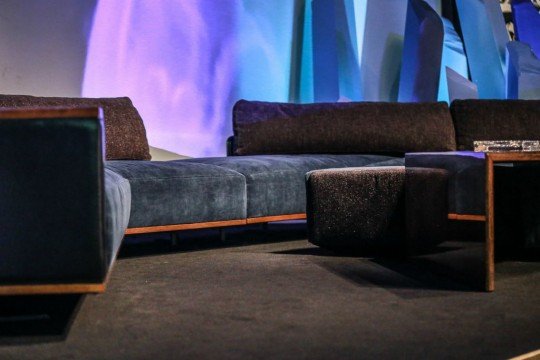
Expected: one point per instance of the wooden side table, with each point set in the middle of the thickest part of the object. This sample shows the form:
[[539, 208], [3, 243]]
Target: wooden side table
[[491, 159]]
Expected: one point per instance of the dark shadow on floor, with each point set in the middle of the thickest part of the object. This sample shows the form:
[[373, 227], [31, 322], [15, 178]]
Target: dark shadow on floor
[[38, 318], [453, 266], [205, 239]]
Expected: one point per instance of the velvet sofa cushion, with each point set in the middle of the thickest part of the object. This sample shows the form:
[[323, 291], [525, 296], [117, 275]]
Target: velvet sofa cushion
[[276, 183], [466, 178], [125, 135], [495, 120], [170, 192], [117, 206], [341, 128]]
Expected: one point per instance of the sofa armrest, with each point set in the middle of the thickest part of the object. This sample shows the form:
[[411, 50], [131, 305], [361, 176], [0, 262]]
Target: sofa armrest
[[52, 201], [466, 178]]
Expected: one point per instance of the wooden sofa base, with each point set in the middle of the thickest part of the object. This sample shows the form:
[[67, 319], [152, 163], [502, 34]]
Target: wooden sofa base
[[49, 289], [214, 224]]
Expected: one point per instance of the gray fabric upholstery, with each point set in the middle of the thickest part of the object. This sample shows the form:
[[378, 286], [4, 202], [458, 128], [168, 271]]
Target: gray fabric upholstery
[[466, 183], [357, 208], [276, 183], [179, 192], [117, 206]]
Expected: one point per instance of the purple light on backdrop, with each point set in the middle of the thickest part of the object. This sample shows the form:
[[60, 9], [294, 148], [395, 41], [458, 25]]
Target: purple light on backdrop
[[176, 60]]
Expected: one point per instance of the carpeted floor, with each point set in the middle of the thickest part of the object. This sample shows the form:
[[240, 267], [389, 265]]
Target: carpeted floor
[[282, 298]]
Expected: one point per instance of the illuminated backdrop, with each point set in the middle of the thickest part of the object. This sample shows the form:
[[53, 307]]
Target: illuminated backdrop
[[185, 62]]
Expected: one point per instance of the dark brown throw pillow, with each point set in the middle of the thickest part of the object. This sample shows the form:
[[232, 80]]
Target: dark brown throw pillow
[[125, 135], [495, 120], [341, 128]]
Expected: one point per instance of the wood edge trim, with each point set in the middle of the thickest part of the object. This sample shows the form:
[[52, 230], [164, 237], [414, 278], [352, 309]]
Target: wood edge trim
[[530, 355], [489, 253], [466, 217], [43, 289], [513, 156], [213, 224], [263, 219], [178, 227], [49, 113]]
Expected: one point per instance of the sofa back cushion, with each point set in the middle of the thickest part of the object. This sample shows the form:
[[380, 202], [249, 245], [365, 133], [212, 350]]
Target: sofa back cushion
[[495, 120], [125, 135], [355, 127]]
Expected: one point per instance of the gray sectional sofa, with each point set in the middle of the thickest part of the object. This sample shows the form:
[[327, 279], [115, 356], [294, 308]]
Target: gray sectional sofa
[[263, 179]]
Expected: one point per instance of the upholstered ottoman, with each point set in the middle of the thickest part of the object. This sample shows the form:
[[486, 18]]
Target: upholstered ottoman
[[395, 210]]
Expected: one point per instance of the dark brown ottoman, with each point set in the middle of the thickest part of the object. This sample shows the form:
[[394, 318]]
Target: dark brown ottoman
[[377, 209]]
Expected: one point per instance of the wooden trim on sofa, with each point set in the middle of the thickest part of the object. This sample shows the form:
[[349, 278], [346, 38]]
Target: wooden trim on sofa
[[213, 224], [178, 227], [50, 113], [49, 289], [263, 219], [466, 217], [42, 289]]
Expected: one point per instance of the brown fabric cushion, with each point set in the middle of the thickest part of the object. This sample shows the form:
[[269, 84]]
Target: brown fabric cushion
[[125, 135], [495, 120], [279, 128]]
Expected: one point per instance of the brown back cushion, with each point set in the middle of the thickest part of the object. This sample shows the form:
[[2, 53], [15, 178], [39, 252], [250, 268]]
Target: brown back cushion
[[495, 120], [361, 127], [125, 135]]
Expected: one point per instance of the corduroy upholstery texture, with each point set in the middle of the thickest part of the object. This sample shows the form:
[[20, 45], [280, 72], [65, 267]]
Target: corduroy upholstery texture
[[341, 128], [125, 135], [495, 120]]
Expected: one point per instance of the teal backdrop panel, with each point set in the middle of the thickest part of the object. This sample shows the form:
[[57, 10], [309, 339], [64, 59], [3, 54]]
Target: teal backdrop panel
[[523, 72], [264, 49], [527, 24], [336, 70], [459, 87], [485, 37], [382, 48], [306, 91], [454, 58], [325, 51], [422, 53]]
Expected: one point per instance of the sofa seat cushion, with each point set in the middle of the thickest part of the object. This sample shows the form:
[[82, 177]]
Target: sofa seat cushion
[[466, 181], [168, 192], [276, 183], [117, 204]]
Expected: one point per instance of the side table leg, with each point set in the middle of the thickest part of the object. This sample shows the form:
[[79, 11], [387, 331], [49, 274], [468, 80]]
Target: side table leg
[[489, 254]]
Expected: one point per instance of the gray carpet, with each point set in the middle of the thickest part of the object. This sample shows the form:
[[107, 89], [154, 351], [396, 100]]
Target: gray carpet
[[287, 299]]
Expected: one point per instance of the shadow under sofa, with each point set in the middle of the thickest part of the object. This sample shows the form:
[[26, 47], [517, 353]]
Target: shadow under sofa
[[264, 178]]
